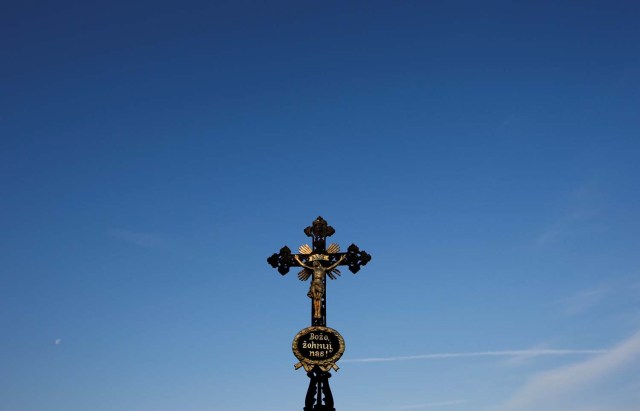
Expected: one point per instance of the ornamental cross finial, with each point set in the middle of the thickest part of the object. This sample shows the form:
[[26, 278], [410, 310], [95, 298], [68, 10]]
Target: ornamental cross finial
[[319, 261]]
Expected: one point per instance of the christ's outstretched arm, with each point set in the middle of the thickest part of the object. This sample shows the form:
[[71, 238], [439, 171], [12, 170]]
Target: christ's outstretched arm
[[331, 267], [301, 263]]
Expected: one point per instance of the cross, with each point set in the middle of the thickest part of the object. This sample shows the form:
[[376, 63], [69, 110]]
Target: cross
[[318, 262]]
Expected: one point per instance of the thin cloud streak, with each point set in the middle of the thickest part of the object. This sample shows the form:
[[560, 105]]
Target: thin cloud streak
[[582, 209], [584, 300], [509, 353]]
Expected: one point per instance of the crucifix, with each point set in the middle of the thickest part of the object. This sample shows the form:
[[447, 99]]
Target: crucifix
[[318, 347], [319, 262]]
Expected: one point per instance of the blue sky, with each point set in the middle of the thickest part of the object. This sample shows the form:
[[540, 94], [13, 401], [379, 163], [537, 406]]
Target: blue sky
[[154, 154]]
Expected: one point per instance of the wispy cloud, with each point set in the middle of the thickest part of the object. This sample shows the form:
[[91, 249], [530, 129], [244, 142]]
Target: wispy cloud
[[137, 238], [527, 356], [581, 211], [507, 353], [584, 300], [563, 388], [619, 293], [551, 233]]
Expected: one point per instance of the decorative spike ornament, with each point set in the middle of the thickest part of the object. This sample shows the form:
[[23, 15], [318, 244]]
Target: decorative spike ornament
[[333, 248]]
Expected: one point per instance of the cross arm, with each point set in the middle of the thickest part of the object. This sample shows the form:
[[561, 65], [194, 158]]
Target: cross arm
[[283, 260], [354, 258]]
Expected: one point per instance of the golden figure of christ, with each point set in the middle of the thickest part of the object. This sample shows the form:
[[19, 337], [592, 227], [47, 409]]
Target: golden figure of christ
[[316, 289]]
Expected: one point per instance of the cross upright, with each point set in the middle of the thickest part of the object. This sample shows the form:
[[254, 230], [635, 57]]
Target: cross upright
[[318, 262]]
